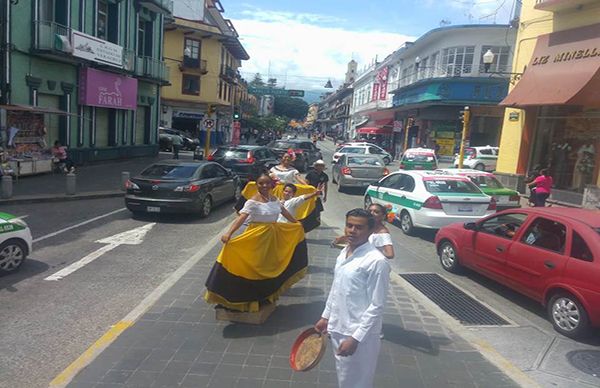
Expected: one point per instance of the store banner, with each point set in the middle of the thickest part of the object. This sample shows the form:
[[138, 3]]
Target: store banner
[[96, 50], [107, 90], [375, 96], [382, 80]]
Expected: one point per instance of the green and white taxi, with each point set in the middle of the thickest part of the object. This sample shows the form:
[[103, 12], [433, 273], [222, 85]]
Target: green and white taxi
[[15, 242], [428, 199], [490, 185], [418, 159]]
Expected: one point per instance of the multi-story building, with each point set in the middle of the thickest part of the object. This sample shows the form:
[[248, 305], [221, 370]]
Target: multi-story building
[[334, 111], [435, 77], [203, 57], [86, 73], [552, 116]]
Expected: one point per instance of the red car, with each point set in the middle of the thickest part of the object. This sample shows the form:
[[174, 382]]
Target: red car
[[550, 254]]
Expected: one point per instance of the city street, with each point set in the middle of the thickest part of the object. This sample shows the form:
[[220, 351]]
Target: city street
[[49, 319]]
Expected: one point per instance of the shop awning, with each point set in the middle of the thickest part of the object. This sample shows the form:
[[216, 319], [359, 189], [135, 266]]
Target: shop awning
[[36, 109], [564, 70]]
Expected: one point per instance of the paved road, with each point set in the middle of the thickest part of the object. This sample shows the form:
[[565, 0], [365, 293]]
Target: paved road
[[530, 343]]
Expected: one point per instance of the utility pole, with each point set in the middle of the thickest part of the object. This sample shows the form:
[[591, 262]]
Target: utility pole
[[409, 124], [465, 116]]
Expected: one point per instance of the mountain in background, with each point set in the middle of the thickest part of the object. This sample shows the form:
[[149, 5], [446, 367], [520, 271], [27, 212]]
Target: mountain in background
[[313, 96]]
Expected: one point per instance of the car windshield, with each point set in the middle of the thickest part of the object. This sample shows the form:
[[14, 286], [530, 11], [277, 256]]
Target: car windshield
[[228, 153], [283, 144], [470, 152], [441, 185], [365, 161], [420, 157], [353, 150], [486, 181], [169, 171]]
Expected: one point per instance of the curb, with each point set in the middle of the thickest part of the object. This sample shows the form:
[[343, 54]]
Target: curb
[[25, 199]]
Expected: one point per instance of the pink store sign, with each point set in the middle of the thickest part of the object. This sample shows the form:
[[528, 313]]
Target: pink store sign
[[107, 90]]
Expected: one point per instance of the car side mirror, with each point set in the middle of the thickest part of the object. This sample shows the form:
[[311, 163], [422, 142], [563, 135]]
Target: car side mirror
[[470, 226], [229, 172]]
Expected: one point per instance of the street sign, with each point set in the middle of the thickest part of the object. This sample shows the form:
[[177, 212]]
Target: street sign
[[277, 92], [209, 123]]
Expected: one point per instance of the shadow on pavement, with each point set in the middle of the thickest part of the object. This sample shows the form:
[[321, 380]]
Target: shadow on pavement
[[413, 339], [184, 218], [29, 268], [285, 318], [424, 234], [304, 291], [314, 269]]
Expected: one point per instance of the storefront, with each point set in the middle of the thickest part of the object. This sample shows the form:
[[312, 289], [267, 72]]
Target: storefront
[[559, 97]]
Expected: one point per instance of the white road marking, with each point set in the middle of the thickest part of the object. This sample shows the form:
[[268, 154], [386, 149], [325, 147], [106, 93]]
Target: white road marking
[[130, 237], [77, 225]]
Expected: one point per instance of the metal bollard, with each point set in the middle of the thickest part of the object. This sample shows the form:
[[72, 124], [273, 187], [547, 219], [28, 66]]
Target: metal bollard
[[124, 179], [71, 183], [7, 186]]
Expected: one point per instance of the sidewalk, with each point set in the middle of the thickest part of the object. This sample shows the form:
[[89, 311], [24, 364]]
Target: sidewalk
[[98, 180], [178, 342]]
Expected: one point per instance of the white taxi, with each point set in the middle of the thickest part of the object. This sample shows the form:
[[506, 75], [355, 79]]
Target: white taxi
[[15, 242], [428, 199], [479, 158], [362, 149]]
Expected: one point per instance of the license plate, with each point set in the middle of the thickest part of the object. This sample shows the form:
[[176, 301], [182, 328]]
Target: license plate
[[502, 199], [465, 209], [153, 209]]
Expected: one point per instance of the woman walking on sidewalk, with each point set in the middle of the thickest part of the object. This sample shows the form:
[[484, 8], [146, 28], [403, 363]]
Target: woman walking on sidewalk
[[381, 237], [543, 187]]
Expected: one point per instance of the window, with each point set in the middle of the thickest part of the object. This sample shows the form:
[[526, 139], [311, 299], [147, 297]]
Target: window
[[191, 53], [190, 84], [505, 225], [392, 181], [365, 161], [353, 150], [501, 57], [141, 43], [546, 234], [423, 68], [169, 171], [209, 171], [407, 183], [486, 151], [458, 60], [487, 181], [433, 64], [373, 150], [441, 185], [102, 20], [580, 249], [219, 171]]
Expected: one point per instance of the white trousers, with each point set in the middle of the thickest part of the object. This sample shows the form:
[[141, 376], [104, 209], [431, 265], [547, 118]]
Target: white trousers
[[357, 370]]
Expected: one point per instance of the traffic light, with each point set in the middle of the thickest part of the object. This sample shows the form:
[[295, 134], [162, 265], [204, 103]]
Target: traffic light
[[465, 115], [236, 115]]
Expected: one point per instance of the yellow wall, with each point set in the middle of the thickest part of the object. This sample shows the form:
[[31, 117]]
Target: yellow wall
[[532, 24]]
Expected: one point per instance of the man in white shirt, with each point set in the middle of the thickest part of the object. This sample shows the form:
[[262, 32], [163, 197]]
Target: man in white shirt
[[354, 310], [291, 203]]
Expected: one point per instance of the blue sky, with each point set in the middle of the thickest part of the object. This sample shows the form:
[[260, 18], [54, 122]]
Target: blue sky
[[303, 43]]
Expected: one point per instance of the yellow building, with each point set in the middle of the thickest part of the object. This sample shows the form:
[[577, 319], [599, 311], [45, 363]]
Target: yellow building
[[552, 116], [203, 58]]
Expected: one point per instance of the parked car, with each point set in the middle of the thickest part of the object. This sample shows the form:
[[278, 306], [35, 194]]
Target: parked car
[[490, 185], [357, 171], [551, 255], [181, 187], [306, 152], [15, 242], [479, 158], [246, 161], [363, 148], [419, 159], [188, 142], [425, 199]]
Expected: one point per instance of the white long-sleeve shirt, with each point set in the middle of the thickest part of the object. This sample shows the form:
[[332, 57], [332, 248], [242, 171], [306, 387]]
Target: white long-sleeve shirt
[[358, 293], [291, 205]]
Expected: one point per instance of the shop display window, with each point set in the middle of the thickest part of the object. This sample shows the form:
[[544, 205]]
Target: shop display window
[[567, 140]]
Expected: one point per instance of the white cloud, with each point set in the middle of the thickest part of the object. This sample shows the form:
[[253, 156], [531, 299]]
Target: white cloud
[[477, 11], [305, 48]]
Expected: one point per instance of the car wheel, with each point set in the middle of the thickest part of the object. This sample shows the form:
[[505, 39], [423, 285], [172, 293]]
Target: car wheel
[[206, 206], [387, 160], [480, 167], [340, 187], [448, 257], [333, 177], [368, 201], [567, 315], [406, 223], [12, 254]]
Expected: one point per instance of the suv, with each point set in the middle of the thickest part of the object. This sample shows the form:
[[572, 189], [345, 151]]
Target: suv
[[306, 152], [247, 161], [363, 148], [189, 143], [479, 158]]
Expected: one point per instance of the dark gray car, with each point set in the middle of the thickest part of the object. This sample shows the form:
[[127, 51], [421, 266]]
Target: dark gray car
[[358, 170]]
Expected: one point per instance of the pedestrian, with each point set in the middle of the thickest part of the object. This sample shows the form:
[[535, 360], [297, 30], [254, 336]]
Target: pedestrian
[[291, 202], [59, 152], [176, 143], [318, 178], [354, 310], [543, 187], [284, 173]]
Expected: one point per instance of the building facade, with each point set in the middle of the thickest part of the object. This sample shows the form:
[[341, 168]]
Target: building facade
[[86, 73], [435, 77], [203, 57], [552, 116]]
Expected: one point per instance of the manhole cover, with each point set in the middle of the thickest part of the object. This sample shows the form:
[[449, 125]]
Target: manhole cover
[[587, 361]]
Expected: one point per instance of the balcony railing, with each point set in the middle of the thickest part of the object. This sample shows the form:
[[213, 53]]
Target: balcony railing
[[152, 68], [228, 73], [560, 5], [194, 64], [51, 36], [450, 70], [160, 6]]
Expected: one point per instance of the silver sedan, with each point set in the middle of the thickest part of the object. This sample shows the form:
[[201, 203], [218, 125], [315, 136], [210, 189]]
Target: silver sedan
[[358, 170]]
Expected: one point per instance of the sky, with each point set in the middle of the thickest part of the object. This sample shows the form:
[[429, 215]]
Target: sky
[[303, 43]]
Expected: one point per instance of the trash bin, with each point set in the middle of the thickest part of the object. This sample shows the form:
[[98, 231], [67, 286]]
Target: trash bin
[[198, 153]]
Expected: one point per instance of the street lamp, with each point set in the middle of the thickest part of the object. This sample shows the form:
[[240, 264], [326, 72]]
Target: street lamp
[[417, 61], [488, 59]]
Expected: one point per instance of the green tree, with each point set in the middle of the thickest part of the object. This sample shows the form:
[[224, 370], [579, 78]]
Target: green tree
[[257, 81], [272, 82], [291, 107]]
